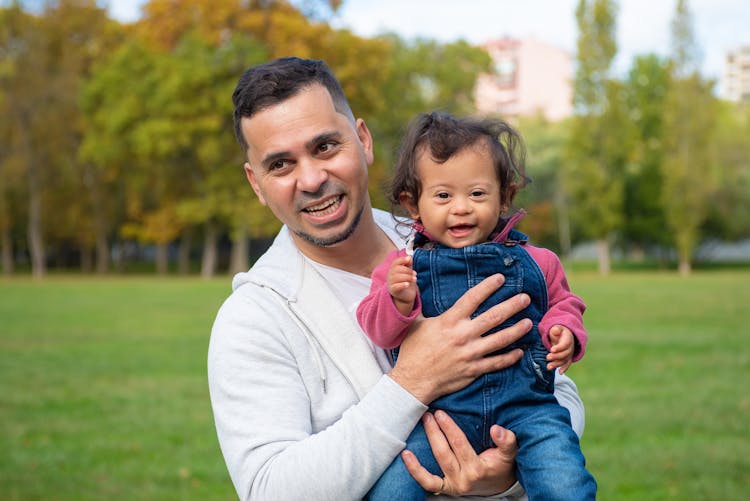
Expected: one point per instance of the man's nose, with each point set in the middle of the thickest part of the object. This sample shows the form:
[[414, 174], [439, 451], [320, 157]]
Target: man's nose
[[310, 176]]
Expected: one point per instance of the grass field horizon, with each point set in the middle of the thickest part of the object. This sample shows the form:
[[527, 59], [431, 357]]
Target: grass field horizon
[[103, 387]]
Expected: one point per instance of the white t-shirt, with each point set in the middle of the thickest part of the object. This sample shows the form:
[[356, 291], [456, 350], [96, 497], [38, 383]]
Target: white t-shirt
[[351, 289]]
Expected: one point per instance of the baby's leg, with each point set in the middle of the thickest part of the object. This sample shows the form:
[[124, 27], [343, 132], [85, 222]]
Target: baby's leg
[[551, 466]]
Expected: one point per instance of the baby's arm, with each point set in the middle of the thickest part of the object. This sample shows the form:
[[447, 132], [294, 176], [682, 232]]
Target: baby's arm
[[565, 308], [562, 348], [402, 284], [377, 314]]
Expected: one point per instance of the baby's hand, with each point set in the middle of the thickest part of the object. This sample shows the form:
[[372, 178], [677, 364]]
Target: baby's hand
[[402, 284], [561, 349]]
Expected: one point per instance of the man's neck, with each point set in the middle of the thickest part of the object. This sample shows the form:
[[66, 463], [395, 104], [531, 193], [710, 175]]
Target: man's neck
[[359, 254]]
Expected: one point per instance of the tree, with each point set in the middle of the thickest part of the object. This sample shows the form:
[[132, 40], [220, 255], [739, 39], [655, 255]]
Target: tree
[[644, 218], [597, 147], [729, 212], [690, 172], [542, 198], [46, 58]]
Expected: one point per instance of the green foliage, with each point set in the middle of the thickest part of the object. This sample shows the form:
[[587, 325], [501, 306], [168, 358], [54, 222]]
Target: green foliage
[[600, 131], [646, 88], [542, 198], [690, 170], [104, 394], [728, 215], [597, 47], [121, 132]]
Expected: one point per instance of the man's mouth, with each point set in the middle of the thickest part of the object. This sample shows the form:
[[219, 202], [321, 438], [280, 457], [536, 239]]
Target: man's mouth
[[324, 208]]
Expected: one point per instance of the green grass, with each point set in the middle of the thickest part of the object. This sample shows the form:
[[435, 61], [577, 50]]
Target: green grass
[[103, 391], [666, 383], [103, 388]]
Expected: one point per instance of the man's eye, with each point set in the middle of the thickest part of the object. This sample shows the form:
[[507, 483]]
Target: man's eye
[[278, 165], [326, 147]]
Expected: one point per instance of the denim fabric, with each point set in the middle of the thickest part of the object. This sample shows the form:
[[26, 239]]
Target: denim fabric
[[520, 398]]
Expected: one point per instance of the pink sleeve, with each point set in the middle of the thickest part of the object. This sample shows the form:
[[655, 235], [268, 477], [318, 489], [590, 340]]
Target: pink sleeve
[[565, 308], [378, 316]]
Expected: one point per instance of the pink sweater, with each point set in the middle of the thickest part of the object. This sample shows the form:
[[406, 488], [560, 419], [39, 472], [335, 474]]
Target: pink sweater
[[387, 327]]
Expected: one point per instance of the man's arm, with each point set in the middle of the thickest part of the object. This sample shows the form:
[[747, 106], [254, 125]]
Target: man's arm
[[283, 432]]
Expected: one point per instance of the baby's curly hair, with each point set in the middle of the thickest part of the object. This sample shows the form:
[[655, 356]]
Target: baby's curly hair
[[445, 136]]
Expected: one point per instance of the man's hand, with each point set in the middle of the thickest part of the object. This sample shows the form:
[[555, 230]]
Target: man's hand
[[443, 354], [464, 471]]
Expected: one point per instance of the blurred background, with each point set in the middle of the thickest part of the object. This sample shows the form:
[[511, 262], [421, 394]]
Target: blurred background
[[118, 153], [124, 208]]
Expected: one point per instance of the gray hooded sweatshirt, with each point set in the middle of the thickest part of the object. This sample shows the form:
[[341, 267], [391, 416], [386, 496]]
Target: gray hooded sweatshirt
[[301, 406]]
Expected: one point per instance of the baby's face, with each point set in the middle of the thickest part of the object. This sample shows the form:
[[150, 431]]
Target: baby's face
[[460, 200]]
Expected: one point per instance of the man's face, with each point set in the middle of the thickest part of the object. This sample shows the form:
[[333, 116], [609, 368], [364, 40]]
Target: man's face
[[308, 164]]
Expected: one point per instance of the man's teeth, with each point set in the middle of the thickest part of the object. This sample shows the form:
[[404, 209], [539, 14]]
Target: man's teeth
[[324, 208]]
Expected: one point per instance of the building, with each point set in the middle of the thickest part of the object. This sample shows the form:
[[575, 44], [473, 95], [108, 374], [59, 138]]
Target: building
[[529, 77], [736, 77]]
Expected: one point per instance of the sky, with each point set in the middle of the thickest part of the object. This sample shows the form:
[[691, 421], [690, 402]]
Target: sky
[[643, 26]]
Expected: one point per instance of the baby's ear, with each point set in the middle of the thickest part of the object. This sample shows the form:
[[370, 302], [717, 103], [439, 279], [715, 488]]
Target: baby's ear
[[407, 202]]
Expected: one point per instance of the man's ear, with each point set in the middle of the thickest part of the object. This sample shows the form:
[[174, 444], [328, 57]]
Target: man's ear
[[253, 182], [363, 133], [407, 202]]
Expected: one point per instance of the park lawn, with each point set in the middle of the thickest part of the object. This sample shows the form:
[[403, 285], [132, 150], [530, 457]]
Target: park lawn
[[103, 390], [103, 387], [666, 384]]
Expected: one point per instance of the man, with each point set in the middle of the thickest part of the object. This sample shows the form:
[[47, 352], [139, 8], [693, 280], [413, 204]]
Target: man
[[305, 407]]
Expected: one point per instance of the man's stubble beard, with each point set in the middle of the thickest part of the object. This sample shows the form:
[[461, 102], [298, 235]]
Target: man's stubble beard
[[328, 242]]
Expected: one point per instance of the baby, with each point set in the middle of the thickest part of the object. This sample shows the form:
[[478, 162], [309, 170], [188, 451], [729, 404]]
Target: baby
[[457, 178]]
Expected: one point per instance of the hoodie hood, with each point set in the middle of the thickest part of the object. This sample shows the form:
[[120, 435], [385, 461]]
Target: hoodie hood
[[282, 265]]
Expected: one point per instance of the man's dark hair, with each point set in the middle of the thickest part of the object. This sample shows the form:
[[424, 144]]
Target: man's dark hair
[[271, 83], [441, 136]]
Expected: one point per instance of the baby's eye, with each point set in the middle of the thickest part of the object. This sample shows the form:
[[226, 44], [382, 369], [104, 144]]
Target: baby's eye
[[477, 193], [443, 195]]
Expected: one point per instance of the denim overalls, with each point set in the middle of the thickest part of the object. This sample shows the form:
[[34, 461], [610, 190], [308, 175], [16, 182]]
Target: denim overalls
[[520, 398]]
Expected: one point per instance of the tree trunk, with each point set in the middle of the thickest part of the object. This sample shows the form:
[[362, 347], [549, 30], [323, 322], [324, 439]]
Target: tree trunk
[[240, 251], [6, 242], [162, 258], [87, 259], [684, 267], [102, 253], [210, 258], [183, 256], [602, 249], [36, 240], [93, 185], [563, 222]]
